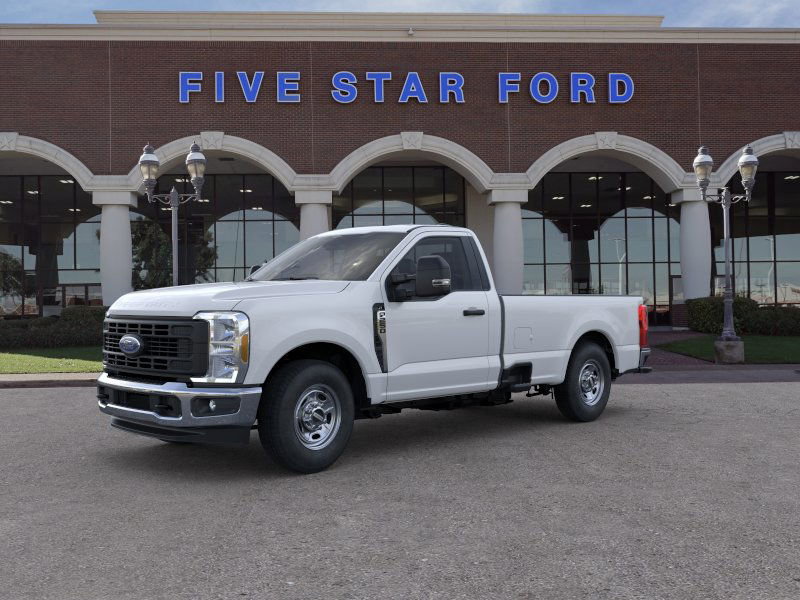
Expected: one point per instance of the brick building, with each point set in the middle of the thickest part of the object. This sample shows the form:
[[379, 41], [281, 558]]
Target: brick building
[[565, 142]]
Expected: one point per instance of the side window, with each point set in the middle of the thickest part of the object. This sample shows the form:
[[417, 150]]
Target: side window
[[449, 248]]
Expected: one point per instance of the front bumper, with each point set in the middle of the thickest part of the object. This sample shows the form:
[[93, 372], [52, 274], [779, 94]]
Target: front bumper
[[176, 412]]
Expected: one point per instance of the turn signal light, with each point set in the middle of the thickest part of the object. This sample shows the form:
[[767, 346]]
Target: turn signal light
[[244, 348], [642, 326]]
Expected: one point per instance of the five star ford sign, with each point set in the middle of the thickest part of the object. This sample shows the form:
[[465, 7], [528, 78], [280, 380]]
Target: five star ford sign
[[450, 86]]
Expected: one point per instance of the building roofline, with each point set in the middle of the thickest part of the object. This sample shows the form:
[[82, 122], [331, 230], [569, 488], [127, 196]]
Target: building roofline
[[340, 19], [387, 27]]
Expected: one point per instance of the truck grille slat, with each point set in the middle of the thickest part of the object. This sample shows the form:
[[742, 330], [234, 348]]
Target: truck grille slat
[[175, 348]]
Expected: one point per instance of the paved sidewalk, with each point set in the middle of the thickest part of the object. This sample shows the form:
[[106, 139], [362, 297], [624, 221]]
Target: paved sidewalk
[[660, 357], [707, 372]]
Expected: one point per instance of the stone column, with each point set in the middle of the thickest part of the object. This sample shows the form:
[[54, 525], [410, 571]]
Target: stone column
[[695, 243], [315, 206], [507, 244], [116, 256]]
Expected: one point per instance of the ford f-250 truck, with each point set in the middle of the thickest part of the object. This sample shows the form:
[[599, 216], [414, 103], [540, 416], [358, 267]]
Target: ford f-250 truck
[[354, 324]]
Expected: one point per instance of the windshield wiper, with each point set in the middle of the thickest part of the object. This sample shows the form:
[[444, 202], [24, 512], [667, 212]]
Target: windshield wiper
[[295, 278]]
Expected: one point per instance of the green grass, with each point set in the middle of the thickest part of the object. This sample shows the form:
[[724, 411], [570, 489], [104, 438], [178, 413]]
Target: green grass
[[82, 359], [758, 349]]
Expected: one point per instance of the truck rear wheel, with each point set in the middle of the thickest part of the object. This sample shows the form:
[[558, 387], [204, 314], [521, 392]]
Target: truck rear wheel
[[584, 394], [306, 415]]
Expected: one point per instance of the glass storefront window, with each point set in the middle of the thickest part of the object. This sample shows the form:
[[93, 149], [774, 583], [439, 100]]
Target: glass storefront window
[[244, 220], [766, 234], [559, 279], [555, 199], [762, 282], [788, 279], [613, 246], [637, 235], [533, 279], [533, 239], [49, 243], [603, 233], [640, 281], [557, 244], [401, 195]]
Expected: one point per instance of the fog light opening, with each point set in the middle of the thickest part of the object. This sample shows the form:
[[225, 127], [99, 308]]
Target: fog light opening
[[215, 407]]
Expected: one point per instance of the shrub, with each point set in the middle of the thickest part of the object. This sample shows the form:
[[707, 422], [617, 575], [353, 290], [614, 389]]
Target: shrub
[[77, 326], [706, 315], [84, 314], [783, 320]]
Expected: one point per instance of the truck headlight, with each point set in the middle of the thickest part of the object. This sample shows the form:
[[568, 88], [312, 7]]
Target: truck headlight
[[228, 347]]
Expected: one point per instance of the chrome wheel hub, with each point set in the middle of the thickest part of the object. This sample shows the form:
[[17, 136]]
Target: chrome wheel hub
[[591, 383], [317, 417]]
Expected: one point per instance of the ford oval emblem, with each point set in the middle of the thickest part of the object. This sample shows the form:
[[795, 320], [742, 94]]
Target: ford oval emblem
[[130, 344]]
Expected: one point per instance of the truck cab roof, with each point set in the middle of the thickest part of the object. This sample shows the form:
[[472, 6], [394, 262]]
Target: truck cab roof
[[405, 228]]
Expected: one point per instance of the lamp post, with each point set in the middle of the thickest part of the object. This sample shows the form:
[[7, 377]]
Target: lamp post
[[196, 165], [703, 165]]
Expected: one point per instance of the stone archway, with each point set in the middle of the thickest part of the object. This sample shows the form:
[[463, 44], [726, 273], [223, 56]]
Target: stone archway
[[11, 141], [786, 142], [220, 141], [656, 163], [443, 151]]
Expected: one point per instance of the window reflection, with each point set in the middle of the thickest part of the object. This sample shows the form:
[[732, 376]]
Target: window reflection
[[49, 241], [601, 233], [243, 220], [766, 234], [401, 195]]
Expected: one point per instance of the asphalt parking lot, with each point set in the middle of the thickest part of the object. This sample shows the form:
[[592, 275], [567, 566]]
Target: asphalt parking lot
[[678, 491]]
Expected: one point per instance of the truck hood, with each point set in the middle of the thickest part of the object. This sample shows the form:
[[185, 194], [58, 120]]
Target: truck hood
[[187, 300]]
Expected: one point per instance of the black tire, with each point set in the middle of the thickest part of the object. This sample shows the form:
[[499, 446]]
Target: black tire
[[578, 398], [321, 393]]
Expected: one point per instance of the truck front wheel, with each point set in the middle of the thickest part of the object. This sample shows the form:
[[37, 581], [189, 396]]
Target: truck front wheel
[[584, 394], [306, 415]]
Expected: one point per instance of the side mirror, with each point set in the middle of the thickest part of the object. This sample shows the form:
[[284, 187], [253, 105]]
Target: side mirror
[[433, 276], [255, 268]]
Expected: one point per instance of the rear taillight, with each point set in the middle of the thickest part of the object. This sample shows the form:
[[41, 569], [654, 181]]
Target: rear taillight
[[642, 326]]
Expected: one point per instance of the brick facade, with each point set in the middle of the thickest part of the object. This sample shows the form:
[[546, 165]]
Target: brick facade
[[101, 100]]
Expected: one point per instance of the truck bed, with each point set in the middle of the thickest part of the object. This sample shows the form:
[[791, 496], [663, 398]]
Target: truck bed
[[543, 330]]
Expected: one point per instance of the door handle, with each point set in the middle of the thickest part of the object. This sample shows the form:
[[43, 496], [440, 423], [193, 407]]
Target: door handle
[[474, 312]]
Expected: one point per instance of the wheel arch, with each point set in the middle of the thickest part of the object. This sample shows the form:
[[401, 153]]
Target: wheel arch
[[337, 355], [602, 340]]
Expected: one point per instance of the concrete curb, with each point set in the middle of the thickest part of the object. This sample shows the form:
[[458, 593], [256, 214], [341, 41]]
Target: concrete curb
[[708, 373], [48, 380]]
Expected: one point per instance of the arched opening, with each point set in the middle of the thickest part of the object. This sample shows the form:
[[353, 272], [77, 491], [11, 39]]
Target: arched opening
[[765, 233], [246, 217], [412, 178], [597, 224], [49, 239], [394, 192]]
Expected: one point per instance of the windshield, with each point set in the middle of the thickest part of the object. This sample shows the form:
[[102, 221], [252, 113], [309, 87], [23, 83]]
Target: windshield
[[349, 257]]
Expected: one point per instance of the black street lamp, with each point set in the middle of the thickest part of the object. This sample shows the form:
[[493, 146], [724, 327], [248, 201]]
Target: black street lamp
[[196, 165], [703, 165]]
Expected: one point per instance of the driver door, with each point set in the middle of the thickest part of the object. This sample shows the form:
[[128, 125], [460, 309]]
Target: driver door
[[438, 346]]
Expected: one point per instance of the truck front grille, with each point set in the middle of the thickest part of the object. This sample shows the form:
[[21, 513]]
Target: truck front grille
[[169, 347]]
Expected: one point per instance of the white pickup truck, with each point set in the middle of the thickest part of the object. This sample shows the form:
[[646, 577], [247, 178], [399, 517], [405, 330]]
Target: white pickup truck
[[354, 324]]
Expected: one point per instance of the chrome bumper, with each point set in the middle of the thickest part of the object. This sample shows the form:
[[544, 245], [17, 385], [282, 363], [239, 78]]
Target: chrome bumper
[[249, 398]]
